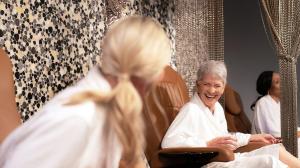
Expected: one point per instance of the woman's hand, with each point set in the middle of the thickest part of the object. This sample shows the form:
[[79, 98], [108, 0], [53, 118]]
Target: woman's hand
[[267, 138], [227, 142]]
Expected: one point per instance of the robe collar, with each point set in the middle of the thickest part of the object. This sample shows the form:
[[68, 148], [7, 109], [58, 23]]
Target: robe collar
[[197, 100], [213, 118]]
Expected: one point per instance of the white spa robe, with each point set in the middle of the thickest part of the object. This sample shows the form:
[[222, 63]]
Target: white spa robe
[[61, 136], [267, 117], [195, 125]]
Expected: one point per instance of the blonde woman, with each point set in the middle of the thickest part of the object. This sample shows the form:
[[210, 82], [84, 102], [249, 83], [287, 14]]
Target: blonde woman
[[96, 122]]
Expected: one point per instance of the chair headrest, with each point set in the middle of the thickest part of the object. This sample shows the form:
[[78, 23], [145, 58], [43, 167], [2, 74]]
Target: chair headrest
[[233, 103]]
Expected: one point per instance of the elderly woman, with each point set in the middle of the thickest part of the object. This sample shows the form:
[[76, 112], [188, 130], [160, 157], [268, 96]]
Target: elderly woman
[[201, 123]]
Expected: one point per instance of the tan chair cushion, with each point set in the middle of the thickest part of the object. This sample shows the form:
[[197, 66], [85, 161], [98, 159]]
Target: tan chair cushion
[[232, 101], [9, 117], [237, 120]]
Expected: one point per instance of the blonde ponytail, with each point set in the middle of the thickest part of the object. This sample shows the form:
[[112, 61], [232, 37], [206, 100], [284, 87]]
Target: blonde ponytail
[[124, 115], [124, 106]]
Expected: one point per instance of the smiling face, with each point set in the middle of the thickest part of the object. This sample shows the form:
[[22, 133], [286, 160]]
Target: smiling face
[[210, 88], [275, 86]]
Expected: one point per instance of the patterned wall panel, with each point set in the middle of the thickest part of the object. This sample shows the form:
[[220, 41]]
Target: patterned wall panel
[[163, 11], [52, 44]]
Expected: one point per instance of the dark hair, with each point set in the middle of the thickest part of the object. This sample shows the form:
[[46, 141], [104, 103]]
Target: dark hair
[[263, 85]]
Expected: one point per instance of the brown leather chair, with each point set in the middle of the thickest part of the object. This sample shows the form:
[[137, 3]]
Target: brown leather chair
[[9, 117], [237, 120], [172, 94]]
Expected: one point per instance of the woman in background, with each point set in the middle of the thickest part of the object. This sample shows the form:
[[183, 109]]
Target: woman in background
[[267, 106], [267, 116], [96, 122]]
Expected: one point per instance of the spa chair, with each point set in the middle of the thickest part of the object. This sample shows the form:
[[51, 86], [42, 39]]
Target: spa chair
[[171, 93], [236, 117], [9, 116]]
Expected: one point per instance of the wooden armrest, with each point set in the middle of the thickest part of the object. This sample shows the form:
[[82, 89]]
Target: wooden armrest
[[250, 147], [189, 157]]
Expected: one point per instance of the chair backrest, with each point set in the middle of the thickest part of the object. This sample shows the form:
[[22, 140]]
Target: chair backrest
[[171, 93], [237, 120], [9, 117]]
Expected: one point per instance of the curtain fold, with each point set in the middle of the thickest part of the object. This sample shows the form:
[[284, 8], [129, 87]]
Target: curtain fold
[[215, 33], [282, 24], [215, 30], [191, 45]]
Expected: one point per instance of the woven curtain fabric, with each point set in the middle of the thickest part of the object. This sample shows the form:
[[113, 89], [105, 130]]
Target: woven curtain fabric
[[199, 35], [282, 21], [215, 33], [215, 21], [191, 38]]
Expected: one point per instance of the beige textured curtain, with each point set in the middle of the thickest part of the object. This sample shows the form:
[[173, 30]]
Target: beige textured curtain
[[282, 21], [215, 29], [215, 34], [199, 35], [191, 38]]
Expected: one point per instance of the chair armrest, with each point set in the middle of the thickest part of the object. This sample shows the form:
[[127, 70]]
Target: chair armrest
[[250, 147], [189, 157]]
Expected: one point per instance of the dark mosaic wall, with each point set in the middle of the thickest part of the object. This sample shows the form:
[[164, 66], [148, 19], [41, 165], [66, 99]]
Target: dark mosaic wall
[[163, 10], [52, 44]]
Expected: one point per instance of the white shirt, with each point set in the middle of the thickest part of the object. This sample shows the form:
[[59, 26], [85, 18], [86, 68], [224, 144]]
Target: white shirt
[[65, 136], [267, 116]]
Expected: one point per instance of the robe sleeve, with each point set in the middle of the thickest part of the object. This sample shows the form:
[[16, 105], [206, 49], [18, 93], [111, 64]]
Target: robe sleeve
[[242, 139], [49, 142], [184, 130]]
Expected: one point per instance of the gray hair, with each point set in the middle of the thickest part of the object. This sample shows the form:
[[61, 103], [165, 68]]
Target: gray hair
[[212, 67]]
